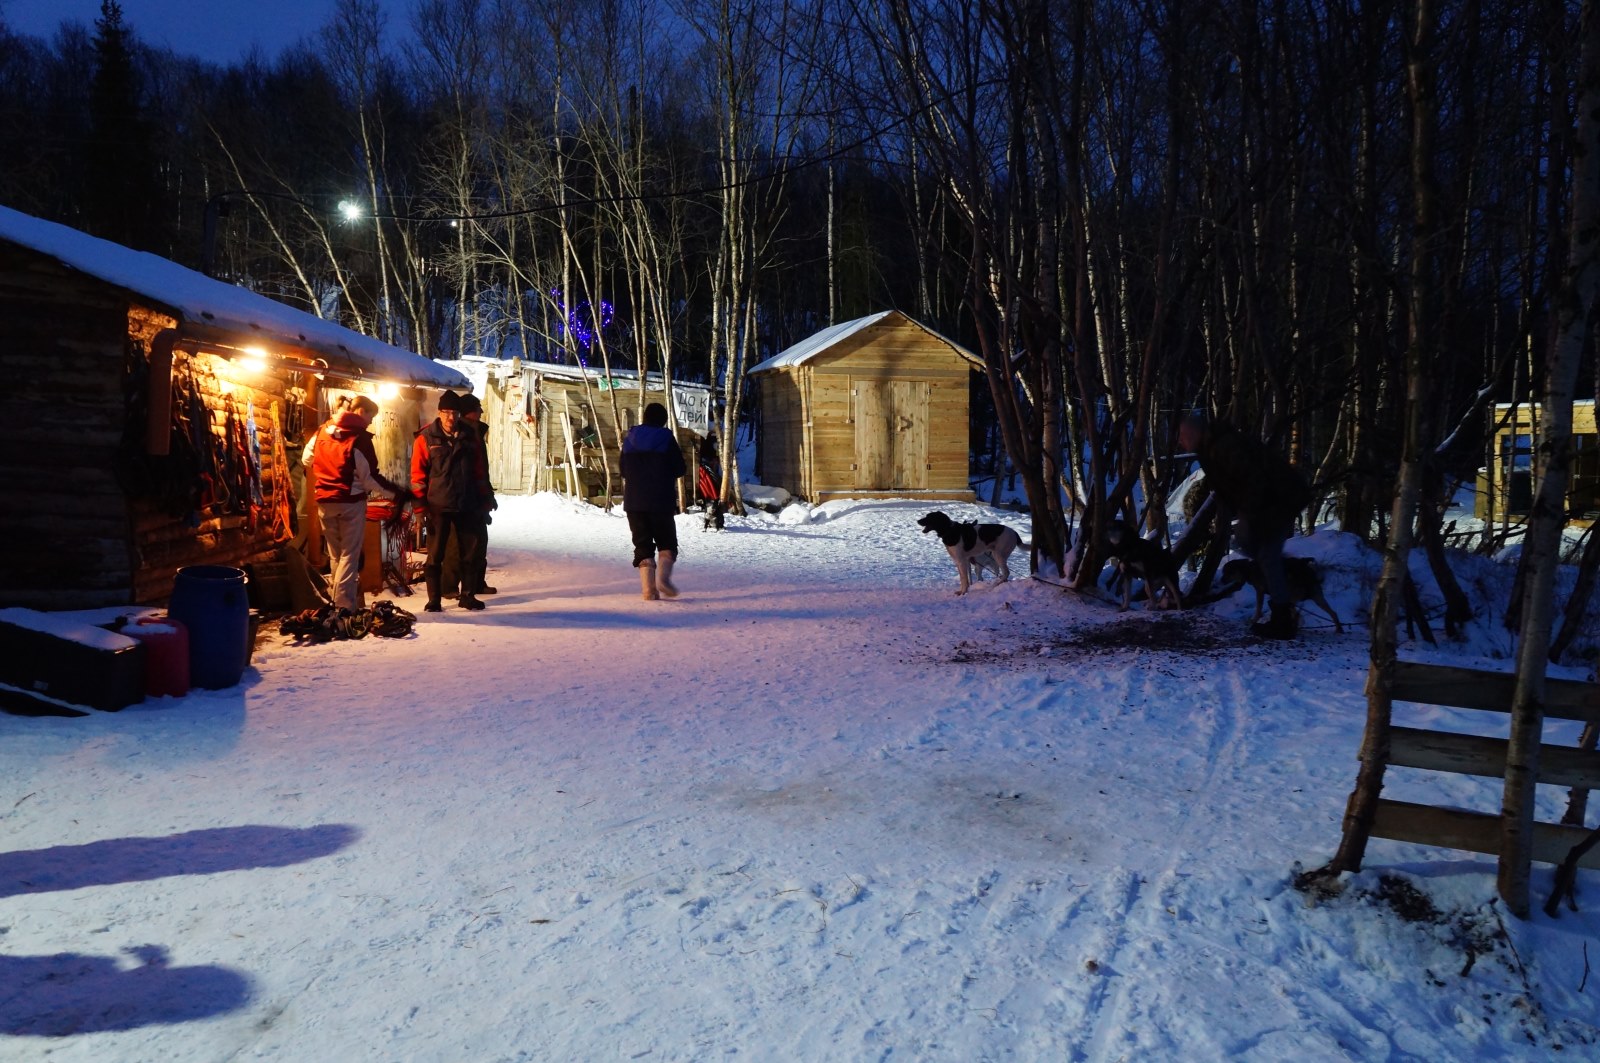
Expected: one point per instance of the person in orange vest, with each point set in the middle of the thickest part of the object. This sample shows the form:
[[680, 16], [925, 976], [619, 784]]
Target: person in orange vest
[[341, 470]]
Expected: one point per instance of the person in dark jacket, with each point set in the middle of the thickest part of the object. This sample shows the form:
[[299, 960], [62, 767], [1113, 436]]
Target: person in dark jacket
[[341, 466], [652, 463], [450, 479], [473, 574], [1266, 492]]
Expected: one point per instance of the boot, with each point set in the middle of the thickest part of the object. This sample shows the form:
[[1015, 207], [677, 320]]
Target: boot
[[469, 601], [664, 574], [1282, 624], [647, 581], [433, 606]]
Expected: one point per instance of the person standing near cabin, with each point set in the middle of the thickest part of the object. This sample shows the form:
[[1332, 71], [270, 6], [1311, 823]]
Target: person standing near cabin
[[341, 470], [450, 480], [1265, 491], [475, 570], [652, 463]]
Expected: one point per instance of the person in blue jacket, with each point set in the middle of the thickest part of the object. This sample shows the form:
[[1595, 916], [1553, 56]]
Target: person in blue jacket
[[652, 464]]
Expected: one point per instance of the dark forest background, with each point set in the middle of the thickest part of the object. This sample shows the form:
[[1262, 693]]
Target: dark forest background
[[1287, 212]]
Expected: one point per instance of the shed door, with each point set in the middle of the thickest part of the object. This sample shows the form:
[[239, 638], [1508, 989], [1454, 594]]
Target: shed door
[[891, 434]]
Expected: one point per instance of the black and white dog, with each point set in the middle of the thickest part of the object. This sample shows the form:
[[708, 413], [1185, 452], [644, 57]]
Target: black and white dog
[[1147, 560], [1305, 583], [973, 545]]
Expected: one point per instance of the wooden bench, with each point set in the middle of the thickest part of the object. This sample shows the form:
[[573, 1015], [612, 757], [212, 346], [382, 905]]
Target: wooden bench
[[1464, 754]]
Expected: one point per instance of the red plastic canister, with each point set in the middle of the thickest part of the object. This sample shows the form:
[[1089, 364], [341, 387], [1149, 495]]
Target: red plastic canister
[[166, 643]]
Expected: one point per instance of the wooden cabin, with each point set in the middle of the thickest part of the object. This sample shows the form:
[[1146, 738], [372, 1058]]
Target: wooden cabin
[[1506, 484], [559, 427], [876, 407], [152, 417]]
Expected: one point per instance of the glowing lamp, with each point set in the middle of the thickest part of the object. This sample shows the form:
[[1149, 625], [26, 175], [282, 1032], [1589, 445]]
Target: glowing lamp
[[350, 209], [388, 390]]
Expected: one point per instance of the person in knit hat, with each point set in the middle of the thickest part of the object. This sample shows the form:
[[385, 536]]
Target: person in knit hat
[[652, 463], [450, 480], [341, 470]]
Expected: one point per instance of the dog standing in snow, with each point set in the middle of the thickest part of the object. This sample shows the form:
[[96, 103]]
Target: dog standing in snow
[[1149, 561], [1305, 584], [973, 545]]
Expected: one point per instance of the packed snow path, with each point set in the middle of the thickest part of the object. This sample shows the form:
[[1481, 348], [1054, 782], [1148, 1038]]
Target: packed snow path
[[817, 808]]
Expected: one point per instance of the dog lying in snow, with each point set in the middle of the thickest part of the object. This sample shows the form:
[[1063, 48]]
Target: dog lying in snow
[[1305, 583], [973, 545], [1147, 560]]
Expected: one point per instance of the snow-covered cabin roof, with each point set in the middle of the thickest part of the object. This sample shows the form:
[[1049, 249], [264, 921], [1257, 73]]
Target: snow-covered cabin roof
[[200, 300], [814, 345], [479, 366]]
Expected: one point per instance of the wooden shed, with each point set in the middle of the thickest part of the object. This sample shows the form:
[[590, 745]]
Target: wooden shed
[[873, 407], [554, 427], [152, 416], [1506, 485]]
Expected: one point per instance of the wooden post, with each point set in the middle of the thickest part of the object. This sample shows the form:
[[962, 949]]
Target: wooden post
[[313, 539], [572, 455], [158, 423]]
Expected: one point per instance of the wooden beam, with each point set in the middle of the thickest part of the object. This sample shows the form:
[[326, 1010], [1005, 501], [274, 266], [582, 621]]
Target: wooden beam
[[1470, 688], [1464, 754], [1476, 832]]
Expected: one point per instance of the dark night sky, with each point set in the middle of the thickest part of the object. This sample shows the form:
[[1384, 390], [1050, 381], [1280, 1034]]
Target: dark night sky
[[218, 30]]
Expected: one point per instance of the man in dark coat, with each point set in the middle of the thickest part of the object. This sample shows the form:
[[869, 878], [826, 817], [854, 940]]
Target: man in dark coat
[[652, 463], [450, 479], [473, 572], [1267, 494]]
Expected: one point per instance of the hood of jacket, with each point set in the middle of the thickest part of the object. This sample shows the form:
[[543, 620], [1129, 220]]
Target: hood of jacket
[[348, 423], [647, 438]]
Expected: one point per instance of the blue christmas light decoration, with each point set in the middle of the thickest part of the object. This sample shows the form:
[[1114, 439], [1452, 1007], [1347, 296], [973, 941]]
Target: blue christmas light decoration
[[581, 322]]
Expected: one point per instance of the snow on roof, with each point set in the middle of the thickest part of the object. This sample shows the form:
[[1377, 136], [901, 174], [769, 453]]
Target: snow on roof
[[477, 367], [812, 346], [198, 299]]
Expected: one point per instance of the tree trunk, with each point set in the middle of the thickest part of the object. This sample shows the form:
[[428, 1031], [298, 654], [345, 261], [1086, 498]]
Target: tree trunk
[[1542, 544]]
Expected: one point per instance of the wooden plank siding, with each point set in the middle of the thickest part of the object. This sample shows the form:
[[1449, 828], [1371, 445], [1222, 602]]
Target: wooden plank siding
[[541, 445], [882, 412]]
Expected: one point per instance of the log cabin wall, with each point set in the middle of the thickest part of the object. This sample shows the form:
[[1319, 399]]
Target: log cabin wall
[[63, 341], [91, 521]]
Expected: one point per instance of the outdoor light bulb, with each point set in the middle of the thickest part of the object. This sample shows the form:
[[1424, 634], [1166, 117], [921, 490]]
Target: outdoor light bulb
[[386, 390], [350, 210], [252, 363]]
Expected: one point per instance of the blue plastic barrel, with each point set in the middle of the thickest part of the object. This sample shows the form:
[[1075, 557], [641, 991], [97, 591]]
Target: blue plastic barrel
[[212, 603]]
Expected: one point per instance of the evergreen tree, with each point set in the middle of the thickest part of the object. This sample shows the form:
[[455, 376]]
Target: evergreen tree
[[120, 187]]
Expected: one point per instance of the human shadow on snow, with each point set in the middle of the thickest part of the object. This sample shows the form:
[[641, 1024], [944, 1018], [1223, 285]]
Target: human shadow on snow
[[196, 852], [75, 993]]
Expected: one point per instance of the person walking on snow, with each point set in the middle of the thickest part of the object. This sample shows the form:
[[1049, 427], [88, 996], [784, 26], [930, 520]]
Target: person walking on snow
[[1265, 491], [450, 479], [341, 470], [652, 463]]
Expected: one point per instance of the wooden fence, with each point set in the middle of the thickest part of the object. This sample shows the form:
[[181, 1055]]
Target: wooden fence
[[1464, 754]]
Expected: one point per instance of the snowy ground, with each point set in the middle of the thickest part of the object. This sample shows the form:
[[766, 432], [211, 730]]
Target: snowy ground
[[818, 808]]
